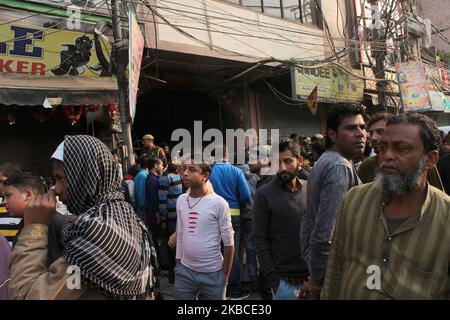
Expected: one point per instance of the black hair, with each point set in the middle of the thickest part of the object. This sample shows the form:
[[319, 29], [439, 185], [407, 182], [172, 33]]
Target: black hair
[[318, 147], [152, 162], [206, 168], [446, 138], [367, 149], [290, 145], [143, 161], [171, 168], [133, 170], [337, 114], [378, 117], [203, 166], [27, 180], [429, 133], [9, 169], [163, 144]]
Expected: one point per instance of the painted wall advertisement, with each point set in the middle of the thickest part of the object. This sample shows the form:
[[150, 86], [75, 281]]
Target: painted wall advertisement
[[26, 49], [417, 90], [136, 49], [445, 77], [333, 84], [413, 85]]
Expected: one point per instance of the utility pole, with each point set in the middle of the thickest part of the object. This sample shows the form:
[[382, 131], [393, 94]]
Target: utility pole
[[380, 55], [121, 54]]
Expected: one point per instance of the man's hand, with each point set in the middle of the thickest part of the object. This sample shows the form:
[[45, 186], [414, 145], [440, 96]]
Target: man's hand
[[41, 209], [310, 291]]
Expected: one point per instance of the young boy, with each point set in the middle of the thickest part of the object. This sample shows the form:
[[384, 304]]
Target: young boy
[[9, 227], [203, 220], [22, 188]]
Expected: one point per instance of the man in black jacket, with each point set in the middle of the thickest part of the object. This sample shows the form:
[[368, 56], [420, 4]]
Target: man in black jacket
[[277, 211]]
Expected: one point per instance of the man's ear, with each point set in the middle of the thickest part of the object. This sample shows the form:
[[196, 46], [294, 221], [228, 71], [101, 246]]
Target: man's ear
[[29, 195], [207, 175], [332, 135], [432, 159], [300, 161]]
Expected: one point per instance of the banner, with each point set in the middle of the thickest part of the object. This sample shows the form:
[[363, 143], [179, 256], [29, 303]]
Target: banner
[[333, 84], [136, 49], [311, 101], [413, 86], [33, 50]]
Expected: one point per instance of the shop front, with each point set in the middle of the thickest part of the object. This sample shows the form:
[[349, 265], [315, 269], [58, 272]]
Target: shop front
[[53, 82]]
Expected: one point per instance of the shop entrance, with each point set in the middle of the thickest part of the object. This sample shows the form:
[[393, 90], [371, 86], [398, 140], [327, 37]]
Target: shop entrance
[[160, 112]]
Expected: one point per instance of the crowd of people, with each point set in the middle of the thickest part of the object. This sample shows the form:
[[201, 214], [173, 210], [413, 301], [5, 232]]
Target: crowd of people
[[360, 212]]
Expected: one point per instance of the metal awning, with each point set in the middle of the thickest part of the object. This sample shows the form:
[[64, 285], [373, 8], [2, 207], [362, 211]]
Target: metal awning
[[30, 90]]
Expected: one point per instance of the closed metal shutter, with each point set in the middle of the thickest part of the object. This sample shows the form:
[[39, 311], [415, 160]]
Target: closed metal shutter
[[30, 143]]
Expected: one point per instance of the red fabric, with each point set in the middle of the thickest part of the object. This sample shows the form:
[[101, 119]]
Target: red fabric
[[128, 177]]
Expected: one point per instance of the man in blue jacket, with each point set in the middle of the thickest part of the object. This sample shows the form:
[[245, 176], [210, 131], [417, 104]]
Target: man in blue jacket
[[139, 186], [152, 216], [229, 182]]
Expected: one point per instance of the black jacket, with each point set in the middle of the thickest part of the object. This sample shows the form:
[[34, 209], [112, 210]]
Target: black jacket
[[277, 213]]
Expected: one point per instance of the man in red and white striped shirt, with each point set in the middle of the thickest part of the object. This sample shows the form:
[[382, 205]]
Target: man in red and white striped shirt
[[203, 220]]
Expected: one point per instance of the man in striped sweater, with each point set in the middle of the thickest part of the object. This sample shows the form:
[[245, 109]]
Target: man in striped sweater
[[170, 188]]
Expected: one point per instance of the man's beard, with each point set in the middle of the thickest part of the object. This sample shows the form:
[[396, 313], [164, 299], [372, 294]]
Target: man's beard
[[286, 177], [403, 182]]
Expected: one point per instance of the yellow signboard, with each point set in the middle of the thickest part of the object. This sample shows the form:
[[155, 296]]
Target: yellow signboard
[[49, 52], [333, 83]]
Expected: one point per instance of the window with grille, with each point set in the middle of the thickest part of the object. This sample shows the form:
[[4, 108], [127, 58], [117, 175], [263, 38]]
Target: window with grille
[[305, 11]]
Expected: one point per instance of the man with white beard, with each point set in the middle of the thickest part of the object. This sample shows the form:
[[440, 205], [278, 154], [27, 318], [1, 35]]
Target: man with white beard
[[392, 239]]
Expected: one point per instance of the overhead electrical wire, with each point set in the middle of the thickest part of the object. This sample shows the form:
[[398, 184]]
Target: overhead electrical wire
[[275, 60], [241, 20], [374, 44]]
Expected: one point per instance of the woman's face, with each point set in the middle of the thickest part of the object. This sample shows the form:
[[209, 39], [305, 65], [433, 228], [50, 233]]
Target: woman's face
[[60, 181]]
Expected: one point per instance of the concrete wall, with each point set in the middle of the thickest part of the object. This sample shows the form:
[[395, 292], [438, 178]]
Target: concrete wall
[[438, 12], [225, 30], [287, 118]]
